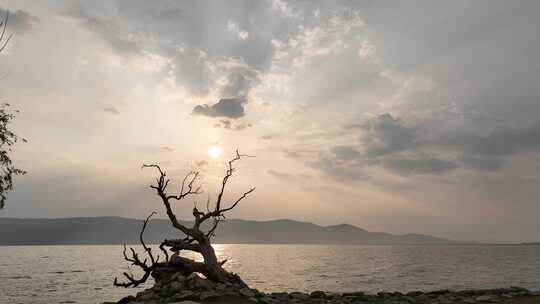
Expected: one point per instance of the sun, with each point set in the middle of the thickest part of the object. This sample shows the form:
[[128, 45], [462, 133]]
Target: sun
[[214, 151]]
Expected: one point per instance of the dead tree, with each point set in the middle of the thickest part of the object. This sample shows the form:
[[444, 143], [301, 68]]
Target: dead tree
[[3, 38], [195, 238]]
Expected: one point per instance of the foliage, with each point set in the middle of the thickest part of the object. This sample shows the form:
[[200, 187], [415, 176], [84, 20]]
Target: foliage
[[7, 140]]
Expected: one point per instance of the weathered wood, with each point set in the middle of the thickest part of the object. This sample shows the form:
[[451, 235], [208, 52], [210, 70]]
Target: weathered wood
[[195, 240]]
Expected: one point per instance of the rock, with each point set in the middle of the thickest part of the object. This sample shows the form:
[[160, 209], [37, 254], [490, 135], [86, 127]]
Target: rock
[[178, 277], [221, 287], [267, 300], [415, 293], [468, 300], [185, 302], [438, 292], [175, 286], [484, 298], [246, 292], [200, 283], [185, 295], [282, 296], [208, 295], [127, 299], [318, 294], [299, 296]]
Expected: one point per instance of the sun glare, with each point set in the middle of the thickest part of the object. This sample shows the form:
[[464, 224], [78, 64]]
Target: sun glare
[[214, 151]]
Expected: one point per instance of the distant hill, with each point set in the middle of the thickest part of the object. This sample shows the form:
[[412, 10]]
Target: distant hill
[[118, 230]]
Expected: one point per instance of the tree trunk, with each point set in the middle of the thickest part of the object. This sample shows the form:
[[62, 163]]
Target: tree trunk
[[214, 270]]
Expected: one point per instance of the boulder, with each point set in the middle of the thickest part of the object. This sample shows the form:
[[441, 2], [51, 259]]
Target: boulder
[[318, 294], [246, 292]]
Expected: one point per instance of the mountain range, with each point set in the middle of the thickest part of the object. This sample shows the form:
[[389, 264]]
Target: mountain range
[[118, 230]]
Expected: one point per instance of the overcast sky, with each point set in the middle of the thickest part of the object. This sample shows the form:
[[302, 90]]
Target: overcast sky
[[393, 116]]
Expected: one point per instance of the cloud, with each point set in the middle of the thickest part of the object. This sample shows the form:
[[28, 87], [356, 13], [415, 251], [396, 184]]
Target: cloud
[[239, 82], [389, 143], [489, 152], [198, 39], [120, 40], [268, 136], [112, 110], [345, 152], [419, 166], [341, 171], [279, 174], [156, 149], [232, 108], [232, 126], [386, 135], [19, 21], [201, 163], [224, 123]]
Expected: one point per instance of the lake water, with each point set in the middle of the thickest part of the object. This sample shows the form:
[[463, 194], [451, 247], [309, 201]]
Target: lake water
[[84, 274]]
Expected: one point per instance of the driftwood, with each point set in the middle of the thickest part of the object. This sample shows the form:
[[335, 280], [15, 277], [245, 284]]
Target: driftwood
[[195, 238]]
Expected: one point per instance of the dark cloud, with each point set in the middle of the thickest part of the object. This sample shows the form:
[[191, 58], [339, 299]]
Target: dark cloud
[[345, 152], [342, 171], [484, 162], [203, 40], [489, 152], [112, 110], [239, 82], [167, 149], [419, 166], [232, 108], [119, 39], [386, 135], [388, 142], [18, 21]]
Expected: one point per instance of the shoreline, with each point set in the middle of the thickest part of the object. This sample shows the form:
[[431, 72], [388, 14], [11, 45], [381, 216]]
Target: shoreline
[[179, 289]]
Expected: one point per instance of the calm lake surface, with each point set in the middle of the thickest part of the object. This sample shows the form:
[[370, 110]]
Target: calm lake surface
[[84, 274]]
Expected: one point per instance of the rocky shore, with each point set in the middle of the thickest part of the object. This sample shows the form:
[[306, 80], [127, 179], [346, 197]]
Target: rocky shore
[[179, 289]]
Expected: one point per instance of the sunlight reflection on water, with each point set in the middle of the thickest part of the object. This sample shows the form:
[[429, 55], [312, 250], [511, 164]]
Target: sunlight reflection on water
[[84, 274]]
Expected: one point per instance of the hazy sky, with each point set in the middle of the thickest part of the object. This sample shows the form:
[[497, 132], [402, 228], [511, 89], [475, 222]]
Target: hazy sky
[[393, 116]]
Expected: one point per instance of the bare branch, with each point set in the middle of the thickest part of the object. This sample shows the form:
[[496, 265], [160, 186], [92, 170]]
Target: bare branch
[[195, 239], [218, 211], [146, 248], [161, 182], [3, 24], [136, 261], [238, 200]]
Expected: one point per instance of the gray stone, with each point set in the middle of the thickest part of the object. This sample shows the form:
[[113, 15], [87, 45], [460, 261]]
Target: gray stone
[[246, 292], [415, 293], [267, 300], [176, 286], [299, 296], [208, 295], [484, 298], [318, 294], [178, 277], [200, 283], [282, 296], [185, 295], [185, 302], [221, 287]]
